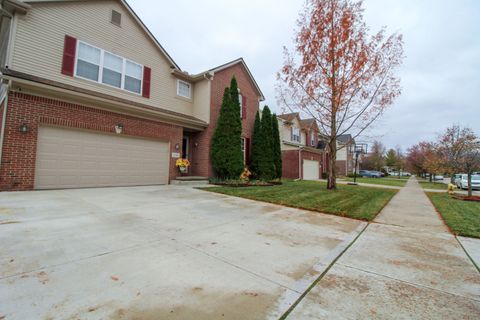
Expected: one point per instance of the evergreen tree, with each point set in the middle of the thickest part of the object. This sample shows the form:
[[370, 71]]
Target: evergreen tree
[[227, 157], [277, 152], [257, 147], [266, 164]]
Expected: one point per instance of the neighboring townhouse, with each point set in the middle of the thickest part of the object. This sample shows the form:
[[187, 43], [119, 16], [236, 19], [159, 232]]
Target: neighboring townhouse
[[90, 98], [345, 162], [303, 156]]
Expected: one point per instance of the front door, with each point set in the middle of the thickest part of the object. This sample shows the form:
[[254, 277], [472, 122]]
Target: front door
[[185, 148]]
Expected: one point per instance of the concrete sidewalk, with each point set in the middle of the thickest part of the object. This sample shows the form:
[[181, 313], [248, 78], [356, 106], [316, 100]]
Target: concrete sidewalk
[[404, 266]]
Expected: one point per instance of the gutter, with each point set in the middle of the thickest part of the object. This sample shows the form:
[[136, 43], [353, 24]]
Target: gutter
[[191, 77]]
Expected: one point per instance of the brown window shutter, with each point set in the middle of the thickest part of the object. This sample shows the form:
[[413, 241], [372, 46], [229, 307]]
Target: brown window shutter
[[69, 51], [244, 107], [147, 75], [247, 151]]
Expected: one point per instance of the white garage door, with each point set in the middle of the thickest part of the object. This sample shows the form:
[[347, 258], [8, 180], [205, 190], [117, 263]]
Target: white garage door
[[311, 170], [76, 159]]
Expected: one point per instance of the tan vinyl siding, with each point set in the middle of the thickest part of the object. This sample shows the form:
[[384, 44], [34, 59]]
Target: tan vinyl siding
[[342, 153], [201, 100], [39, 44]]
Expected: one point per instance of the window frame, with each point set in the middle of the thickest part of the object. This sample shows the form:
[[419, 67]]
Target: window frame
[[189, 86], [243, 145], [240, 99], [298, 135], [101, 67], [312, 138]]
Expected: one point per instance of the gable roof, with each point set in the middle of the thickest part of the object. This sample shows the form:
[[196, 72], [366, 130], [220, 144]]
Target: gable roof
[[345, 138], [242, 62], [175, 68], [135, 17], [307, 123], [289, 116]]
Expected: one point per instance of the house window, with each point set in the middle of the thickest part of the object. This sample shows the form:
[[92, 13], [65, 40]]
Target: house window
[[184, 89], [112, 70], [104, 67], [240, 100], [133, 77], [296, 135], [312, 138], [88, 61], [243, 148]]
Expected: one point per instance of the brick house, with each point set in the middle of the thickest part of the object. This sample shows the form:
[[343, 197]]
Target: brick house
[[90, 98], [345, 162], [304, 156]]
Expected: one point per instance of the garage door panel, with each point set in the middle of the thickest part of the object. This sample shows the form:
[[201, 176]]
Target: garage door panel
[[311, 170], [73, 159]]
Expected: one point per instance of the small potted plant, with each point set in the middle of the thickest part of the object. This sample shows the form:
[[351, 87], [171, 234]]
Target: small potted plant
[[182, 165]]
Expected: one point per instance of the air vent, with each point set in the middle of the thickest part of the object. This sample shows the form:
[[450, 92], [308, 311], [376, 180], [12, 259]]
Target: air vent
[[116, 18]]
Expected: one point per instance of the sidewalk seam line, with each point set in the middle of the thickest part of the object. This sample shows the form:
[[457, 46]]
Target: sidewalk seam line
[[407, 282], [468, 255], [320, 277]]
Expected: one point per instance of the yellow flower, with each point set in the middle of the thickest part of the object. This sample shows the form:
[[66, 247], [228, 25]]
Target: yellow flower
[[182, 162], [245, 174]]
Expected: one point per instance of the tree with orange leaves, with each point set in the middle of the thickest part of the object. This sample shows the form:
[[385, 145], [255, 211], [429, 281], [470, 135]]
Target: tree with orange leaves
[[338, 73]]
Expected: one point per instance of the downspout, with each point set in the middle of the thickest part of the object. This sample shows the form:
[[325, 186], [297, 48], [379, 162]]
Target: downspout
[[299, 164], [4, 119]]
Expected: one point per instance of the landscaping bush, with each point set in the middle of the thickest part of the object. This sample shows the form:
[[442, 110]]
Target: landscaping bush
[[227, 157], [277, 152]]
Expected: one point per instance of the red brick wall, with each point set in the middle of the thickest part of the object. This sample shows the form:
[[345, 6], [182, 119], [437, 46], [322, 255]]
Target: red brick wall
[[341, 166], [290, 164], [17, 171], [201, 162], [290, 167]]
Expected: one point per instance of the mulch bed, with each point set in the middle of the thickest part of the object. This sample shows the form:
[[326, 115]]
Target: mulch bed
[[467, 198], [248, 184]]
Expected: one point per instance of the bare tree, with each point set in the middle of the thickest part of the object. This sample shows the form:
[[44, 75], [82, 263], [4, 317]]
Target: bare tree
[[338, 73]]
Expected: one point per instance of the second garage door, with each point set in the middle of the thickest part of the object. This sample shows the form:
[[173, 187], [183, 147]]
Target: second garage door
[[76, 159], [311, 170]]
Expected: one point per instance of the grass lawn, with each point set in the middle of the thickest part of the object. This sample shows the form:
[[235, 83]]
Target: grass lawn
[[395, 182], [432, 185], [356, 202], [463, 217]]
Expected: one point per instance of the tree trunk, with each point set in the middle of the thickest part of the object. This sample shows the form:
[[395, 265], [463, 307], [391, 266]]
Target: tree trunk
[[469, 184], [332, 171]]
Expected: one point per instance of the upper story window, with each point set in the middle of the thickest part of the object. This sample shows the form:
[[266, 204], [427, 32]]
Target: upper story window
[[296, 135], [312, 138], [184, 89], [240, 100], [101, 66]]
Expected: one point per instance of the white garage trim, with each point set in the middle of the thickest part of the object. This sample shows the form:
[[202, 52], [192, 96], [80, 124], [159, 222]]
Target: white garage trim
[[311, 170], [69, 158]]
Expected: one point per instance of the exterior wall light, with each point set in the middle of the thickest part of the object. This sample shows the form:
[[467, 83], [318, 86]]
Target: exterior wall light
[[119, 128], [196, 144], [24, 128], [177, 146]]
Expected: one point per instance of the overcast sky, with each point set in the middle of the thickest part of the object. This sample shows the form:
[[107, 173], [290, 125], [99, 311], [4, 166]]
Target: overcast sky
[[440, 76]]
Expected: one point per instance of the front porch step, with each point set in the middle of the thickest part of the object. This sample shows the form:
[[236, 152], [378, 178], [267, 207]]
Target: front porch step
[[189, 180]]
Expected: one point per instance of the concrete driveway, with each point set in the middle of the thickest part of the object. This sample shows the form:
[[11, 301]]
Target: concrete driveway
[[160, 252]]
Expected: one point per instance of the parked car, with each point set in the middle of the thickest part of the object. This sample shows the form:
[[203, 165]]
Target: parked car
[[438, 178], [463, 184], [369, 174], [455, 179]]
